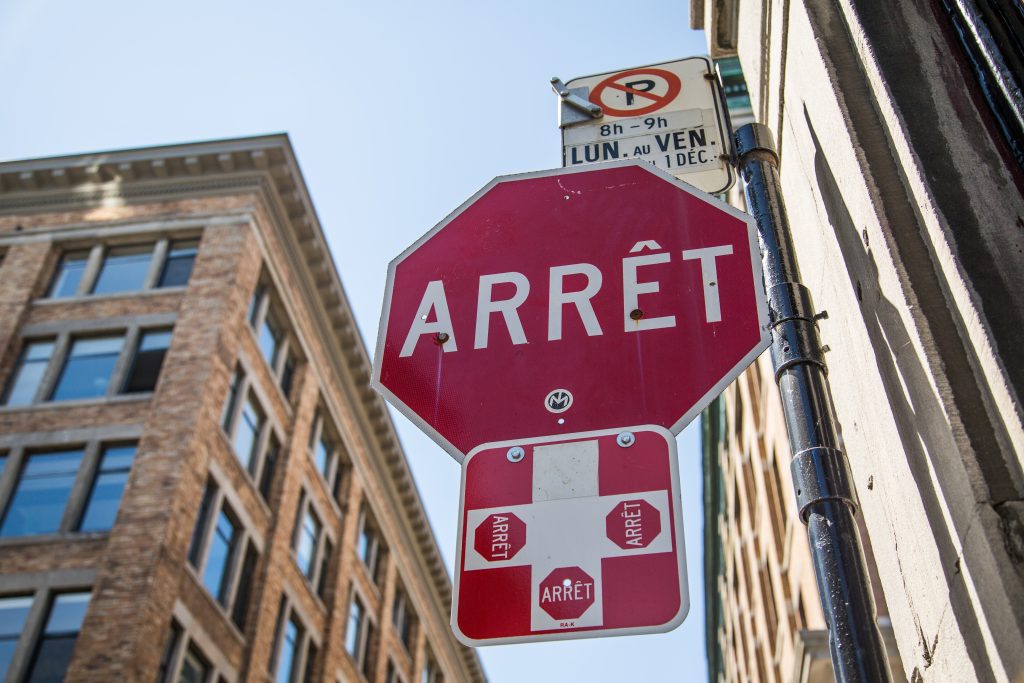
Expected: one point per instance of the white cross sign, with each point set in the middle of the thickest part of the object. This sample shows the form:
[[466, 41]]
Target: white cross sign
[[570, 537]]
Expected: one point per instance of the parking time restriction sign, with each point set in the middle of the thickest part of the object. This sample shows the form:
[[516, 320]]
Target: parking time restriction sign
[[671, 115]]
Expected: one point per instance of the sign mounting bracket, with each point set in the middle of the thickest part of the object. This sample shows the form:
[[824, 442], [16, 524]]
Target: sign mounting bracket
[[574, 106]]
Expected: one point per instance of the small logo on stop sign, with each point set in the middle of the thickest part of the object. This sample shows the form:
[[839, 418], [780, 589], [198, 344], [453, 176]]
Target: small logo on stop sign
[[567, 593], [633, 524], [500, 537]]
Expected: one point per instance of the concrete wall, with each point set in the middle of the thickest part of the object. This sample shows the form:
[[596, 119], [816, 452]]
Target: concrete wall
[[909, 222]]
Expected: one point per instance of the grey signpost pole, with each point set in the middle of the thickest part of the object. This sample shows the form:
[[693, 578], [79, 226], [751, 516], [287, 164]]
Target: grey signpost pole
[[821, 474]]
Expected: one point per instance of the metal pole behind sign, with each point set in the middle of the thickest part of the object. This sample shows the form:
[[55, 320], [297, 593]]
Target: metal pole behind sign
[[821, 474]]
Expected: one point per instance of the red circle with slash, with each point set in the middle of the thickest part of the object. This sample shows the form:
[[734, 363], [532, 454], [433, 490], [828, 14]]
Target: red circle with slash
[[658, 101]]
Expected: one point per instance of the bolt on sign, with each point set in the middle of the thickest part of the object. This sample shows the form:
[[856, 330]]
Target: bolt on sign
[[570, 538], [672, 115], [571, 300]]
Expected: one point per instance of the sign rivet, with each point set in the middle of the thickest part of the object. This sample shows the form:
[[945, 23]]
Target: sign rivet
[[440, 338], [625, 439], [515, 454]]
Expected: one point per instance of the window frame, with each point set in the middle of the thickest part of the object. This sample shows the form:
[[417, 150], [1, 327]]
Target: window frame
[[34, 630], [308, 642], [323, 546], [394, 673], [241, 389], [185, 633], [377, 546], [431, 671], [160, 251], [63, 338], [403, 618], [217, 496], [76, 504], [338, 462], [264, 305], [133, 363], [366, 626], [41, 589]]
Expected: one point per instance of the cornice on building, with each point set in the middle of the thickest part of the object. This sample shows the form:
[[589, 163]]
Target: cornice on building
[[268, 165]]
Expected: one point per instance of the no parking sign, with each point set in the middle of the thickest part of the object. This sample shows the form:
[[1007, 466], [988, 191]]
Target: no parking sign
[[671, 115]]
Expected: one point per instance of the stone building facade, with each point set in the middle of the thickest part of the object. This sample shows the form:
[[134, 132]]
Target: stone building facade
[[901, 171], [196, 482]]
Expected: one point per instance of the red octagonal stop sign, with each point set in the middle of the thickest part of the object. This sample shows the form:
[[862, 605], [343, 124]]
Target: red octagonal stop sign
[[571, 300], [633, 524], [500, 537], [566, 593]]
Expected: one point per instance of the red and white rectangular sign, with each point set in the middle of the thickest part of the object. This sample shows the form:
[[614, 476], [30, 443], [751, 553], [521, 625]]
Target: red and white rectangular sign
[[572, 536]]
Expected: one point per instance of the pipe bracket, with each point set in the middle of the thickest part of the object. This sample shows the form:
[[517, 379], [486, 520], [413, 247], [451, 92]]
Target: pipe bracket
[[821, 474]]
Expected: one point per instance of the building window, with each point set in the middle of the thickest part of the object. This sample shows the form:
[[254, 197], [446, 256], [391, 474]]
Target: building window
[[220, 554], [57, 641], [41, 495], [107, 488], [28, 374], [131, 268], [269, 335], [325, 560], [13, 611], [295, 651], [269, 324], [289, 647], [431, 672], [307, 540], [234, 389], [67, 280], [369, 545], [202, 521], [167, 661], [358, 633], [393, 675], [244, 592], [194, 668], [183, 660], [88, 368], [311, 653], [72, 489], [402, 617], [269, 465], [124, 269], [247, 434], [214, 552], [181, 255], [328, 456], [252, 439], [312, 546], [91, 366], [149, 358]]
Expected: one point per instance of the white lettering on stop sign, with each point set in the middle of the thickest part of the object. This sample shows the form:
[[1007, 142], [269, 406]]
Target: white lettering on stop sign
[[635, 284]]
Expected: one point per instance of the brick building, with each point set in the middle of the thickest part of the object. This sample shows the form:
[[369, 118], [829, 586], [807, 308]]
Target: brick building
[[196, 482]]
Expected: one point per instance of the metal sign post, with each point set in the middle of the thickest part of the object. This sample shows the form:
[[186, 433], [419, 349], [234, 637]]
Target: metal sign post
[[821, 474]]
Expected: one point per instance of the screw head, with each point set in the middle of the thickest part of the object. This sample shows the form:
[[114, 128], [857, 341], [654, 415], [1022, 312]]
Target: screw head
[[515, 454], [625, 439]]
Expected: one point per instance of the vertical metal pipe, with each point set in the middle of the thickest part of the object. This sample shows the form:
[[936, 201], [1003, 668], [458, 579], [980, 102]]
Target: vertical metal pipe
[[821, 473]]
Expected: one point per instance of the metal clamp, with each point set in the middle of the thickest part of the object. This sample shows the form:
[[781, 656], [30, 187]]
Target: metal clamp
[[575, 107], [821, 474], [795, 341], [789, 300]]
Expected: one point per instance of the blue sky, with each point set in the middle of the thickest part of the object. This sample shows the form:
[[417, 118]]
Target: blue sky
[[398, 113]]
